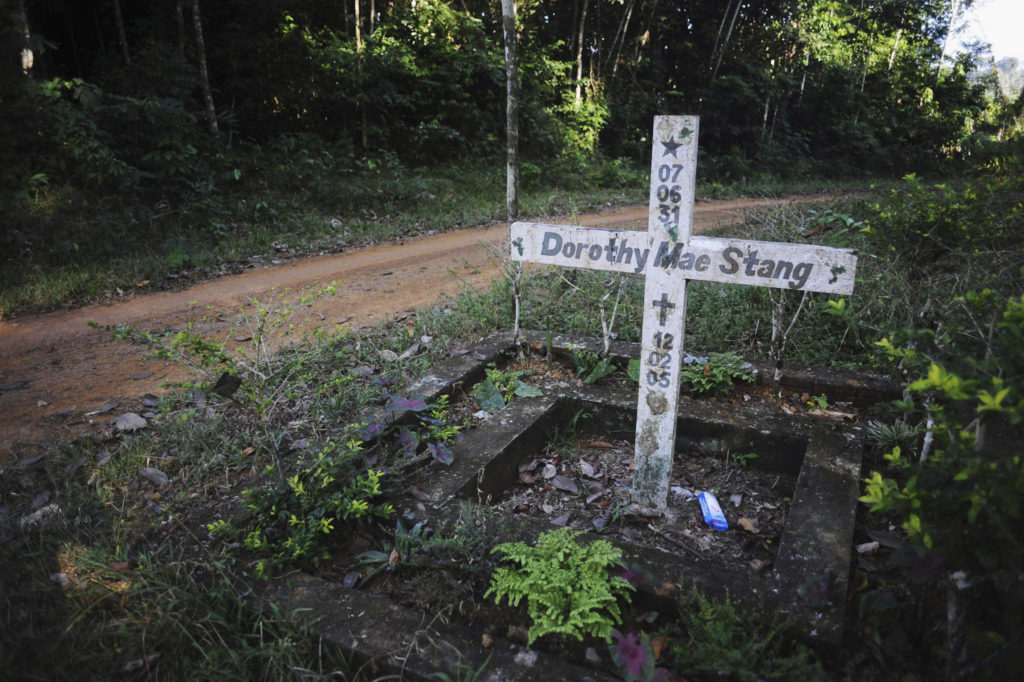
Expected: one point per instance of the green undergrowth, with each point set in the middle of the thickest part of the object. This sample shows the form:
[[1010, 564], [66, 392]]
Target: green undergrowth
[[118, 571], [63, 247]]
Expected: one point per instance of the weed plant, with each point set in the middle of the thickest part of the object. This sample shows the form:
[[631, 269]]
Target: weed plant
[[716, 639]]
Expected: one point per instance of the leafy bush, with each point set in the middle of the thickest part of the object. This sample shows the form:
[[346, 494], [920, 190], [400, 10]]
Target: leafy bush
[[501, 387], [964, 497], [568, 587], [591, 367], [717, 373], [293, 522]]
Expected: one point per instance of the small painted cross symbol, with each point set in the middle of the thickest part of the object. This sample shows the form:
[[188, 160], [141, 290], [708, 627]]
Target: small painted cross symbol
[[665, 306]]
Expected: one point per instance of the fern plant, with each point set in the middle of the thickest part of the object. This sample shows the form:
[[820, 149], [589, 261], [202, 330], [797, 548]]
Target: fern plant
[[568, 586]]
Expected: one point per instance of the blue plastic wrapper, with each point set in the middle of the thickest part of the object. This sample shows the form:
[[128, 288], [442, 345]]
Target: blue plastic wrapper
[[712, 511]]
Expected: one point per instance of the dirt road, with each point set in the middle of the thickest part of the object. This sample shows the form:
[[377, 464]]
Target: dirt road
[[55, 369]]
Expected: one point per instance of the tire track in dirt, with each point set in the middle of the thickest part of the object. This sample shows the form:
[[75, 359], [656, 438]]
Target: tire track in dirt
[[72, 369]]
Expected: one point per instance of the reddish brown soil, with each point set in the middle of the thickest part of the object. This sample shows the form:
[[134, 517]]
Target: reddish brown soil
[[72, 369]]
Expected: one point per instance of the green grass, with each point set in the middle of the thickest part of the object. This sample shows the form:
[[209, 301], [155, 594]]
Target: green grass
[[66, 247], [144, 588]]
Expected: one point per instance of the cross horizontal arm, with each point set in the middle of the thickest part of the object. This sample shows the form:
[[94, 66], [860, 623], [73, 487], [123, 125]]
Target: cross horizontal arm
[[800, 267]]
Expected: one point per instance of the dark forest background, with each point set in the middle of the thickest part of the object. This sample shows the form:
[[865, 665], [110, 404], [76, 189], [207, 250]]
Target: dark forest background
[[171, 124]]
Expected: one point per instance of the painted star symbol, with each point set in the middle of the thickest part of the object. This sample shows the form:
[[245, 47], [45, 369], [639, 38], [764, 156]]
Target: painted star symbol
[[670, 147]]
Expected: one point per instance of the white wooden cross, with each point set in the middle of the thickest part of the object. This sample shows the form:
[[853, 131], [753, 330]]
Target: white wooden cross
[[668, 256]]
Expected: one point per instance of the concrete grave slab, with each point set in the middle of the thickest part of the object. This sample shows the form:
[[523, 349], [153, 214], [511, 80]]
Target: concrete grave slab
[[809, 581]]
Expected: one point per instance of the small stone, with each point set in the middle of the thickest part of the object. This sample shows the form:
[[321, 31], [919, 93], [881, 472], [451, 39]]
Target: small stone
[[486, 641], [526, 657], [591, 656], [129, 421], [687, 495], [40, 516]]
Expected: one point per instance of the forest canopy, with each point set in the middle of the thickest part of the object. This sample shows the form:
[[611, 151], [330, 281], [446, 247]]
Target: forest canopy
[[127, 92]]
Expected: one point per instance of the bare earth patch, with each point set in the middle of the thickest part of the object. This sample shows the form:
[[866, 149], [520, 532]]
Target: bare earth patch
[[57, 373]]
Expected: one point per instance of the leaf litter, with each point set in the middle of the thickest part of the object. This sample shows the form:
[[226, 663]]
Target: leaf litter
[[586, 486]]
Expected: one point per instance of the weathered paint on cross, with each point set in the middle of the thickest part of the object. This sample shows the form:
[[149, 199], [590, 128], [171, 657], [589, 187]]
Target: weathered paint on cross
[[668, 256], [670, 218]]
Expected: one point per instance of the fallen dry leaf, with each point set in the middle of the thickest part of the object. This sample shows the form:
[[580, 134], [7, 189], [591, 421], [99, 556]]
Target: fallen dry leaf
[[527, 478], [600, 444], [749, 525], [248, 451], [393, 558], [155, 476], [565, 484], [658, 644], [665, 589]]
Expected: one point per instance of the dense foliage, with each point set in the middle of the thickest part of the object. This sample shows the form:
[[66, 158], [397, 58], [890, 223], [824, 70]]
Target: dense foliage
[[139, 137]]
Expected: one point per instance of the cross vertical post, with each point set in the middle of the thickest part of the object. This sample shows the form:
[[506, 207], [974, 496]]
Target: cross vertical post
[[673, 177]]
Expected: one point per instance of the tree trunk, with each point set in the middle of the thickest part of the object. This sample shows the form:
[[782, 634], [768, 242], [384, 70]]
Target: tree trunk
[[28, 58], [725, 43], [364, 122], [895, 46], [954, 13], [204, 78], [614, 53], [121, 38], [645, 34], [180, 16], [508, 10], [508, 21], [579, 53], [718, 36], [96, 27], [74, 45]]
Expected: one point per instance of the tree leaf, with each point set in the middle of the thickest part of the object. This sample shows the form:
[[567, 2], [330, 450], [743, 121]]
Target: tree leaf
[[441, 452], [488, 396], [408, 441], [413, 403], [525, 390]]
